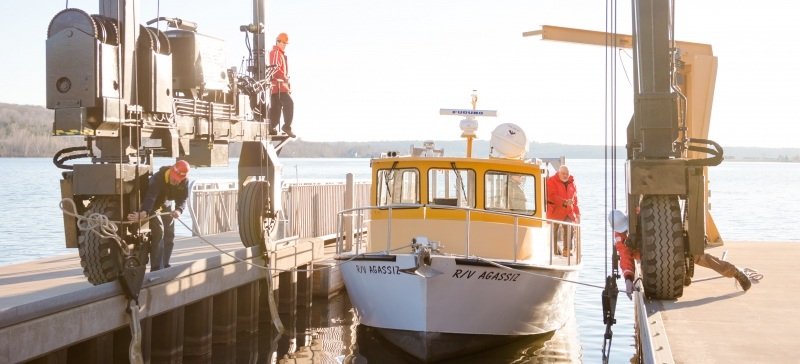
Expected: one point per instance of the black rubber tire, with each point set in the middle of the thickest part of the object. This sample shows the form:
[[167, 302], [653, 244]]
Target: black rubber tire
[[663, 265], [253, 207], [100, 257]]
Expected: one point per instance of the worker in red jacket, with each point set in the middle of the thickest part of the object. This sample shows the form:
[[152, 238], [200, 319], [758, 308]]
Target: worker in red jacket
[[562, 203], [619, 223], [280, 98]]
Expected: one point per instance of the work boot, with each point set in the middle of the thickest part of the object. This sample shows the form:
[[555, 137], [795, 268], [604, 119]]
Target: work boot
[[288, 132], [743, 279]]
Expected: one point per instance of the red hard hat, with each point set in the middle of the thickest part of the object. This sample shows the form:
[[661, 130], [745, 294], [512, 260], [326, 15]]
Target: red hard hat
[[283, 37], [179, 170]]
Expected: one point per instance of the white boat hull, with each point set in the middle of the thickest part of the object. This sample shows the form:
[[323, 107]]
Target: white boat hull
[[468, 297]]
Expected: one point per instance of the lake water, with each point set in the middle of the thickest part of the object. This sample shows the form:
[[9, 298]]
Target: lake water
[[751, 201]]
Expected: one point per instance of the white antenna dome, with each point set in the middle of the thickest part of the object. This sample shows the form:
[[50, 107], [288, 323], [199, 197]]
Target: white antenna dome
[[509, 141]]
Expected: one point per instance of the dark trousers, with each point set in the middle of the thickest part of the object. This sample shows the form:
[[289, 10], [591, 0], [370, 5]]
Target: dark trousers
[[278, 102], [162, 241]]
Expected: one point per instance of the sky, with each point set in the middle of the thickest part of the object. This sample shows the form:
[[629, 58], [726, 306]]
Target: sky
[[371, 70]]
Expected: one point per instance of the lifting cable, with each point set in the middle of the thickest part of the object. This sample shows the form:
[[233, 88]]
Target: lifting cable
[[610, 292], [133, 285]]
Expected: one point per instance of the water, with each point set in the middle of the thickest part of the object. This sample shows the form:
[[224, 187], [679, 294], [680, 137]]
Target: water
[[751, 201]]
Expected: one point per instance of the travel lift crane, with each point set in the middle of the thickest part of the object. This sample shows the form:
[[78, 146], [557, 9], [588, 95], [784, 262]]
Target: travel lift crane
[[668, 150], [134, 92]]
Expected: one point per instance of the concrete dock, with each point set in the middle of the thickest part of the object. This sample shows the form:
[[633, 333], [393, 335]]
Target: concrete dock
[[716, 322], [47, 305]]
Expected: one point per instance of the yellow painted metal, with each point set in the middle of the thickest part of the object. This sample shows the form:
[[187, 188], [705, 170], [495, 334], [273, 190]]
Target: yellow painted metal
[[479, 165], [591, 37], [699, 77], [441, 224]]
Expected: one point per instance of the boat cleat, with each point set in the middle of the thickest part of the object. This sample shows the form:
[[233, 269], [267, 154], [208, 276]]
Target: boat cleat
[[422, 248]]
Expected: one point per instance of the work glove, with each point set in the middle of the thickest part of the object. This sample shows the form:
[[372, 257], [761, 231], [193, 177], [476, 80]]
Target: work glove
[[136, 216], [629, 288]]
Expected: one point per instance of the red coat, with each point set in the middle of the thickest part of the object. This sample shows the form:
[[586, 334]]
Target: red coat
[[626, 255], [557, 192], [280, 74]]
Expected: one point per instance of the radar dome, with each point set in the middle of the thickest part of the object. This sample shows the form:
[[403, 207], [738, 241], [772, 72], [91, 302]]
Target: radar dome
[[509, 141]]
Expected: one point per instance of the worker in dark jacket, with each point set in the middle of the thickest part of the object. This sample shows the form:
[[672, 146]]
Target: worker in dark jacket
[[168, 184]]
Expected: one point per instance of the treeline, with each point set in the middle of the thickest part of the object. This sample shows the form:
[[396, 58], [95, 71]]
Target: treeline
[[26, 131]]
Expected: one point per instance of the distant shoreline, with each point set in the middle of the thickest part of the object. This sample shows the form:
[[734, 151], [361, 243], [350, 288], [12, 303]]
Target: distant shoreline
[[29, 134]]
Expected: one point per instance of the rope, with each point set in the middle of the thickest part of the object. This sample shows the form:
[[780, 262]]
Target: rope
[[105, 228], [363, 255], [536, 274], [273, 308], [100, 224], [97, 223], [267, 268], [753, 274], [135, 348]]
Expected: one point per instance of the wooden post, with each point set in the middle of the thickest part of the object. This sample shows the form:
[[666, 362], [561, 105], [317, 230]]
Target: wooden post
[[224, 320], [305, 283], [349, 202], [198, 330], [247, 308], [287, 291], [93, 351], [167, 337]]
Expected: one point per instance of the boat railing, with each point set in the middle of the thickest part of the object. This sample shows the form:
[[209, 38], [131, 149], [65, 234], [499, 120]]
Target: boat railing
[[352, 227]]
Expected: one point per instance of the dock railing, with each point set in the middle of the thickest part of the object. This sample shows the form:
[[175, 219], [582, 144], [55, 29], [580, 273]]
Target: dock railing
[[309, 207], [212, 206]]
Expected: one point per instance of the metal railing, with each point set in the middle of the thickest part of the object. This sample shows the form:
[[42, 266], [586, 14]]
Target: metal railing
[[352, 223], [212, 206], [310, 208]]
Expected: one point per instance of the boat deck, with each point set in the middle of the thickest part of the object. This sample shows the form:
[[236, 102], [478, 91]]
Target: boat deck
[[714, 322]]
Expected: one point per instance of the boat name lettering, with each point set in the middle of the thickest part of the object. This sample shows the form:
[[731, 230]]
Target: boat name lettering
[[377, 269], [497, 276], [463, 274], [494, 276]]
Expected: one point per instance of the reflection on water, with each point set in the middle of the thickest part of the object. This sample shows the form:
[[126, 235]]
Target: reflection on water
[[328, 332], [561, 346]]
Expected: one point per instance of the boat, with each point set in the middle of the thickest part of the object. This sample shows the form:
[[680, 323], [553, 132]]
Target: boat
[[452, 256]]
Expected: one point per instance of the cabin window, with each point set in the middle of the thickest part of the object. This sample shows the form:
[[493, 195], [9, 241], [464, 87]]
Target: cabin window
[[398, 186], [515, 192], [451, 187]]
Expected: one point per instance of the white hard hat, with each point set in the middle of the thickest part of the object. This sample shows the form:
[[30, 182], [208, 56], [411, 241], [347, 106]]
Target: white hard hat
[[618, 221]]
